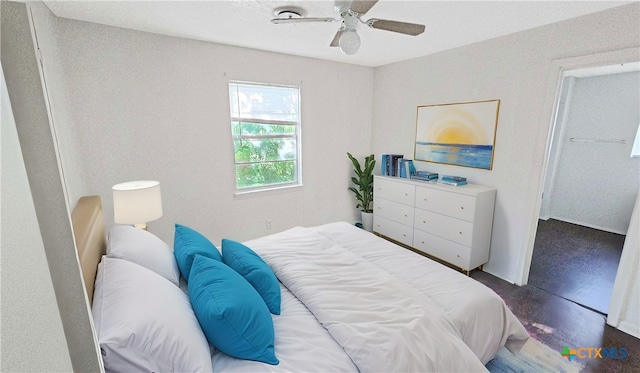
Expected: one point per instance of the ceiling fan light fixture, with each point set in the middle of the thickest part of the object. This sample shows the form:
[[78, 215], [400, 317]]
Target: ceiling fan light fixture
[[350, 11], [349, 42]]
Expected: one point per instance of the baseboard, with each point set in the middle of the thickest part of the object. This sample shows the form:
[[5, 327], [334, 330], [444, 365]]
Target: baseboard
[[605, 229]]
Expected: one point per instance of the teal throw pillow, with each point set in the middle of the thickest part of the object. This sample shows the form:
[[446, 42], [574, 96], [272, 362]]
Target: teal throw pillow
[[230, 311], [258, 273], [187, 243]]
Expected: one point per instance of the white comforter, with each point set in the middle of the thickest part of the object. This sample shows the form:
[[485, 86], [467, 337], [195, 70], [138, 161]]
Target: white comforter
[[382, 324], [483, 319], [345, 297]]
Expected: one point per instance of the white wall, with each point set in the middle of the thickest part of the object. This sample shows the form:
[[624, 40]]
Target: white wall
[[47, 24], [597, 182], [556, 135], [145, 106], [514, 69], [25, 89], [624, 310], [33, 338]]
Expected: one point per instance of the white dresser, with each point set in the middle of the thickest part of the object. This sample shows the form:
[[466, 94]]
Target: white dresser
[[448, 222]]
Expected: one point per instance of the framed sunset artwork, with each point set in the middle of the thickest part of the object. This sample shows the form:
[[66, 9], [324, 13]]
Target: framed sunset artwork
[[461, 134]]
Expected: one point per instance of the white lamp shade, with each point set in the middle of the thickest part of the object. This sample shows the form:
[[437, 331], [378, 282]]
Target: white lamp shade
[[137, 202]]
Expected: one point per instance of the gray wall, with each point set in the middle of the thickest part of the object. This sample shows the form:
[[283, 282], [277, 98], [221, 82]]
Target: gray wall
[[515, 69], [597, 182], [29, 107], [33, 339], [129, 105]]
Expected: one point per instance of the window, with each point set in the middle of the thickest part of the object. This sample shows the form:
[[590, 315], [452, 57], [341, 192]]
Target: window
[[265, 126]]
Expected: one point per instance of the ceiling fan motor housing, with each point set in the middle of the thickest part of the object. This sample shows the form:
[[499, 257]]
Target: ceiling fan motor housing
[[350, 21]]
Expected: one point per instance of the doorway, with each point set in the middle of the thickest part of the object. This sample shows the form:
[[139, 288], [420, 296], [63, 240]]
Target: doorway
[[590, 185]]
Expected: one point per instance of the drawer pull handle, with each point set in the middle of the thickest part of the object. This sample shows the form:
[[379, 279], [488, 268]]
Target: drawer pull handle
[[405, 215], [424, 222], [461, 207], [425, 200], [458, 256], [406, 194], [423, 242], [460, 232], [404, 235]]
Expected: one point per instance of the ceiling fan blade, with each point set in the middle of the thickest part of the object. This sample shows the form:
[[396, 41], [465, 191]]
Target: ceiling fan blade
[[341, 6], [301, 20], [336, 39], [395, 26], [362, 6]]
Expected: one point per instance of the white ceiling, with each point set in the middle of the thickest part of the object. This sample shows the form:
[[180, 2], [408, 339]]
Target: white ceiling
[[246, 23]]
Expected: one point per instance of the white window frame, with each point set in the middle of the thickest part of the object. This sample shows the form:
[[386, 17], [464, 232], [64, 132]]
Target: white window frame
[[297, 136]]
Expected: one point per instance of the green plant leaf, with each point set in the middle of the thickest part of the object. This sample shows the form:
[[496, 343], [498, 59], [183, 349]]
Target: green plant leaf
[[364, 181]]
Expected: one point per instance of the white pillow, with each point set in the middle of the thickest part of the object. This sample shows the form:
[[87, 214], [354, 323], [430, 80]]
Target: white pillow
[[143, 248], [144, 323]]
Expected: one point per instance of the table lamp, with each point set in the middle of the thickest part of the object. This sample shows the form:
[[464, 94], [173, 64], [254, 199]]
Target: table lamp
[[137, 202]]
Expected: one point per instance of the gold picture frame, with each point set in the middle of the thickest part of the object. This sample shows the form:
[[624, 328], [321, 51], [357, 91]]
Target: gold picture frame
[[461, 134]]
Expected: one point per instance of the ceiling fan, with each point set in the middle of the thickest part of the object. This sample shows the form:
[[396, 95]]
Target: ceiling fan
[[347, 38]]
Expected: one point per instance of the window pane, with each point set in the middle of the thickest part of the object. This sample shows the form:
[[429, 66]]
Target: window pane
[[257, 174], [260, 150], [248, 128], [265, 126], [249, 101]]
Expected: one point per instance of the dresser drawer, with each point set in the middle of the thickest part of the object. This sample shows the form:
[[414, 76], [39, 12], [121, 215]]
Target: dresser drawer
[[446, 250], [394, 191], [399, 232], [446, 203], [393, 210], [450, 223], [452, 229]]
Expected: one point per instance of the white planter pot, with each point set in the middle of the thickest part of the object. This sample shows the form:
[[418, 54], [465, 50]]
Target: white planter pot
[[367, 221]]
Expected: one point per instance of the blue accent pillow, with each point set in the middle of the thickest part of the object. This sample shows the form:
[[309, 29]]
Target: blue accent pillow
[[187, 243], [258, 273], [230, 311]]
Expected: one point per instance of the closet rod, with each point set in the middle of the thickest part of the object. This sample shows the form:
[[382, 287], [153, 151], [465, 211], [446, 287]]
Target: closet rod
[[596, 140]]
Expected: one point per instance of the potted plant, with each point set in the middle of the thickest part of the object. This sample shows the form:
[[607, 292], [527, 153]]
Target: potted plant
[[364, 190]]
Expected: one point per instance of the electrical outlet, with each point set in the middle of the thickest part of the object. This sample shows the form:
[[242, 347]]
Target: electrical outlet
[[268, 223]]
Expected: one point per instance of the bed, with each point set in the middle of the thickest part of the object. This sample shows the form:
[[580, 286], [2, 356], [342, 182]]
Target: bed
[[348, 301]]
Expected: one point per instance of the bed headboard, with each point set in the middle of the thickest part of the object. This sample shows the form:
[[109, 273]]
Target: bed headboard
[[89, 233]]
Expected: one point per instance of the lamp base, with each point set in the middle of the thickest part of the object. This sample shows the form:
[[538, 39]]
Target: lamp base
[[142, 226]]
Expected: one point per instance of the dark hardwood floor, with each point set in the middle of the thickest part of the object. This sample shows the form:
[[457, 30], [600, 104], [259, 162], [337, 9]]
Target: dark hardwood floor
[[570, 284], [576, 263], [557, 322]]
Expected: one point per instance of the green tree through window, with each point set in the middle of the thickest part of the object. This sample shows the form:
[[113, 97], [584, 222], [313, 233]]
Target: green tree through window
[[265, 125]]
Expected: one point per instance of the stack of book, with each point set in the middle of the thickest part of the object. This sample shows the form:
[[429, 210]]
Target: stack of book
[[425, 176], [453, 180], [407, 169], [391, 164]]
